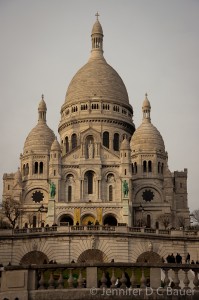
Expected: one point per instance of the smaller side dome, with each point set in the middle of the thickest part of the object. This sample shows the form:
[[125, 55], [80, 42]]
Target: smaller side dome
[[147, 137], [125, 145], [55, 146], [41, 136]]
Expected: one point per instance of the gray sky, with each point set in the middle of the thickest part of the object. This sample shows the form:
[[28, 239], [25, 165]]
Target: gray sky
[[152, 44]]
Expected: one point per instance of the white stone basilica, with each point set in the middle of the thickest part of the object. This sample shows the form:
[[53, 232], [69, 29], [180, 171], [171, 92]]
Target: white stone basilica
[[103, 170]]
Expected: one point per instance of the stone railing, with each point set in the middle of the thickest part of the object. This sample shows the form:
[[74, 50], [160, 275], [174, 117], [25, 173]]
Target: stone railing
[[86, 281], [100, 228]]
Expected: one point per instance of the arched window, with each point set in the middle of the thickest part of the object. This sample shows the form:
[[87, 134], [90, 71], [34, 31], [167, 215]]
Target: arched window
[[90, 182], [144, 166], [150, 166], [158, 167], [66, 144], [24, 168], [69, 193], [106, 139], [74, 141], [36, 168], [41, 167], [135, 168], [116, 142], [34, 221], [162, 168], [148, 221], [110, 193], [27, 169]]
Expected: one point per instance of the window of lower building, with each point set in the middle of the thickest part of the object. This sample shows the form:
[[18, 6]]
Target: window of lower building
[[106, 139], [116, 142]]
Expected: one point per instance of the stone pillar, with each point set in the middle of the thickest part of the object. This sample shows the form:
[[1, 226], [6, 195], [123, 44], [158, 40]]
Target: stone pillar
[[155, 278], [14, 284], [91, 277], [51, 212]]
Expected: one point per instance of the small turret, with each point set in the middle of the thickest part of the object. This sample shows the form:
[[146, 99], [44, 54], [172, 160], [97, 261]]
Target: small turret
[[42, 109]]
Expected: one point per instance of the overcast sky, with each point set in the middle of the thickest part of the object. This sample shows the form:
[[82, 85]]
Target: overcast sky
[[152, 44]]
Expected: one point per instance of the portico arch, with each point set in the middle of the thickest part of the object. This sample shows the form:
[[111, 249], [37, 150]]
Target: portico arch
[[110, 219], [92, 255], [149, 257], [66, 220], [34, 257], [87, 219]]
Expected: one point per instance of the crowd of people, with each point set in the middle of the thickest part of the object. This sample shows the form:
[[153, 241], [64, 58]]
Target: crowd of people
[[178, 259]]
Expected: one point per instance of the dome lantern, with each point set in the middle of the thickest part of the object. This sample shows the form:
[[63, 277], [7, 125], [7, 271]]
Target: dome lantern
[[97, 35], [146, 109], [42, 110]]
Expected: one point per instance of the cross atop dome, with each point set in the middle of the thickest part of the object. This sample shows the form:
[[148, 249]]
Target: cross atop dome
[[97, 15]]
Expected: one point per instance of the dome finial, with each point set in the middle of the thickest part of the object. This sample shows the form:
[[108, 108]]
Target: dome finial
[[42, 110], [97, 40], [146, 109], [97, 15]]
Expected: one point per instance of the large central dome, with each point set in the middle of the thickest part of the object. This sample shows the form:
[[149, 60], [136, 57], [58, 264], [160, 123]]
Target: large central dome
[[97, 78]]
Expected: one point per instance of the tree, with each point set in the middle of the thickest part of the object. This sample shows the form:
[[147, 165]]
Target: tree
[[181, 221], [195, 216], [12, 210], [165, 220], [4, 224]]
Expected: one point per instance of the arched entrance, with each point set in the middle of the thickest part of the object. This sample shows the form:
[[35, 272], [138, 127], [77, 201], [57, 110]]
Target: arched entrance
[[110, 220], [34, 257], [92, 255], [66, 220], [149, 257], [88, 220]]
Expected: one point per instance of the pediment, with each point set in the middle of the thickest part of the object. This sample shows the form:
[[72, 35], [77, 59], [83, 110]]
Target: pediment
[[90, 131], [106, 154], [73, 155]]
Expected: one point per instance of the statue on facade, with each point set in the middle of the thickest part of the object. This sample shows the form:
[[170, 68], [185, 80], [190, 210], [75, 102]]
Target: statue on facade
[[90, 150], [52, 190], [125, 188]]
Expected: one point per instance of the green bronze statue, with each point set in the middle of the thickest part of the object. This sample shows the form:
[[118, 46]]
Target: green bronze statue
[[125, 188], [52, 190]]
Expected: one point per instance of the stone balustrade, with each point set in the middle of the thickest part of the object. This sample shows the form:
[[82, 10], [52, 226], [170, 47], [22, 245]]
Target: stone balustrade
[[100, 228], [89, 280]]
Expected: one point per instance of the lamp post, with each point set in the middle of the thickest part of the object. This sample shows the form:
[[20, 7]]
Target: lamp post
[[41, 210]]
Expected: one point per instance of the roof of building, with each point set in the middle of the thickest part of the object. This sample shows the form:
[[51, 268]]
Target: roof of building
[[41, 136], [96, 79], [147, 137]]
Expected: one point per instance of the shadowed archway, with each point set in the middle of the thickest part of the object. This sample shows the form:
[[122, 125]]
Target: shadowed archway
[[34, 257], [149, 257], [92, 255], [110, 220]]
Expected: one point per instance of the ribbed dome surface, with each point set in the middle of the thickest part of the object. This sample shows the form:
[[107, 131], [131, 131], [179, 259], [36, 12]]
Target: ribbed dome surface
[[147, 137], [40, 138], [97, 79]]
